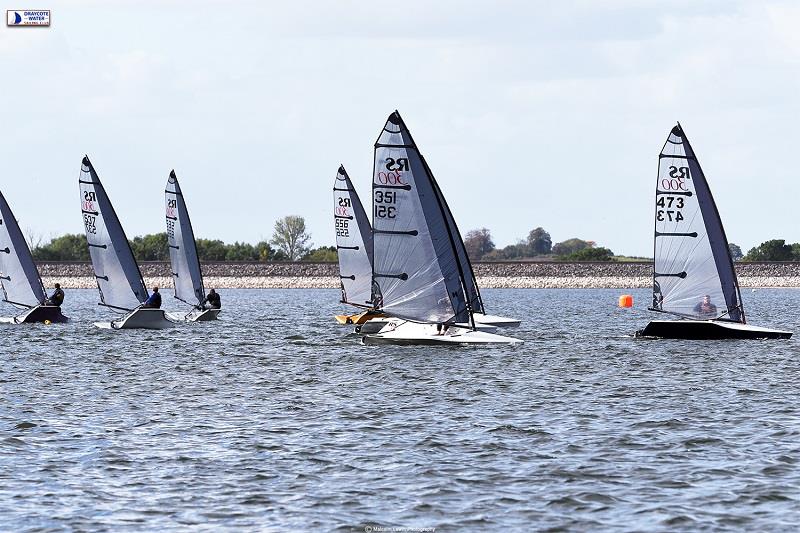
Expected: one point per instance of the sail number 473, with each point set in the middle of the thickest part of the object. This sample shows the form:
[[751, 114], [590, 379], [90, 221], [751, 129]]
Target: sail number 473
[[671, 208]]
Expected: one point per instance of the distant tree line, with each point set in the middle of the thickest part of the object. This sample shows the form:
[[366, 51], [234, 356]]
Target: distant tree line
[[290, 242], [538, 245], [773, 250]]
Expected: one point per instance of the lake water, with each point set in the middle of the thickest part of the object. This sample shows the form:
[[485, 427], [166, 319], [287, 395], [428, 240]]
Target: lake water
[[275, 418]]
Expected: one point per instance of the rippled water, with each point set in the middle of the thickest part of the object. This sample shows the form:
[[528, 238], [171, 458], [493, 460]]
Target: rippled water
[[277, 419]]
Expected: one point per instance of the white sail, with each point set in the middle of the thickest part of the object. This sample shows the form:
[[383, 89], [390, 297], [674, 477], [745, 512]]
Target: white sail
[[118, 277], [693, 271], [416, 272], [353, 242], [19, 276], [186, 274]]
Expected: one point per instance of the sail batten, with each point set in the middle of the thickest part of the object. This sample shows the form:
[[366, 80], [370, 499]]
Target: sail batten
[[187, 276], [693, 274], [353, 241], [20, 279], [118, 277]]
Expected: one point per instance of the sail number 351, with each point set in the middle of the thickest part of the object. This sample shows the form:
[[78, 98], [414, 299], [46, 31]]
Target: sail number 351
[[385, 198]]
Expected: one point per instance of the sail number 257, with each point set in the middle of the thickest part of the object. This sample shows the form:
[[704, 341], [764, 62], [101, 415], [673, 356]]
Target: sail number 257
[[671, 206], [385, 199]]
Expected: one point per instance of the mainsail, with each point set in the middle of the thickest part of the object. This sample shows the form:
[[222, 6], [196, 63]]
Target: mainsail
[[353, 242], [692, 260], [416, 271], [19, 276], [118, 277], [186, 273]]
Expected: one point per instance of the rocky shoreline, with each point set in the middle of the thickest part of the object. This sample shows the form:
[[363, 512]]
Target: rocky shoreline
[[507, 275]]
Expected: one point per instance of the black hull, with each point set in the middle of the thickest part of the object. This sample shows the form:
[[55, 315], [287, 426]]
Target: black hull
[[42, 313], [708, 329]]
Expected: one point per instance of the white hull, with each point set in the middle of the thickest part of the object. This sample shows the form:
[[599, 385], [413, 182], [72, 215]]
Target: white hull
[[196, 315], [141, 318], [494, 320], [374, 325], [404, 332]]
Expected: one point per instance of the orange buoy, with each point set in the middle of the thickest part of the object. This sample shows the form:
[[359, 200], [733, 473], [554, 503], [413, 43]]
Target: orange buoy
[[626, 300]]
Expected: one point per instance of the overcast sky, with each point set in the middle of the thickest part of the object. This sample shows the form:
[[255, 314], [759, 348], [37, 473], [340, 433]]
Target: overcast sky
[[530, 114]]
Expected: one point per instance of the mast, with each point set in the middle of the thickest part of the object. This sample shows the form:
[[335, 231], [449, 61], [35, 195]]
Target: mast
[[353, 242], [722, 254], [693, 272], [182, 246], [416, 255], [19, 277], [109, 248]]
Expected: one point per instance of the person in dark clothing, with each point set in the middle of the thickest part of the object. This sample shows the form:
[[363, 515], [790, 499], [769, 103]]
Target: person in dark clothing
[[212, 299], [154, 301], [57, 298], [705, 308]]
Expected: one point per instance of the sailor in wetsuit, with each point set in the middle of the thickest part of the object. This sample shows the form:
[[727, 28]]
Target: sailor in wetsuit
[[57, 298], [154, 301], [213, 300]]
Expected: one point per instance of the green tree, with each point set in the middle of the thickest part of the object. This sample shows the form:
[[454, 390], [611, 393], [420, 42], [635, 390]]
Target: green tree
[[478, 243], [290, 237], [211, 250], [265, 251], [70, 247], [774, 250], [512, 251], [539, 242], [736, 252], [323, 254], [570, 246], [152, 247], [240, 251], [589, 254]]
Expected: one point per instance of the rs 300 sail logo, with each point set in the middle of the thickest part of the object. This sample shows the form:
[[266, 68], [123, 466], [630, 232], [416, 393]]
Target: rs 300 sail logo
[[28, 17]]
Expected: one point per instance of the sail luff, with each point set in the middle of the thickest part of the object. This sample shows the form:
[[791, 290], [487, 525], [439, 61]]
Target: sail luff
[[354, 243], [187, 275], [119, 279], [19, 276]]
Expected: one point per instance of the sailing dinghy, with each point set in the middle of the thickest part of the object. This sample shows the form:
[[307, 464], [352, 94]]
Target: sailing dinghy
[[354, 249], [354, 244], [187, 277], [418, 277], [20, 279], [119, 279], [693, 274]]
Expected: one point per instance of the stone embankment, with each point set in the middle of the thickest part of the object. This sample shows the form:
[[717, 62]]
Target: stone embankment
[[518, 275]]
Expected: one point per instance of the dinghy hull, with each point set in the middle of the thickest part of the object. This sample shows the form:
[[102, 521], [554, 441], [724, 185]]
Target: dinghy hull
[[206, 315], [412, 333], [374, 325], [40, 313], [142, 318], [708, 329], [359, 318], [494, 320]]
